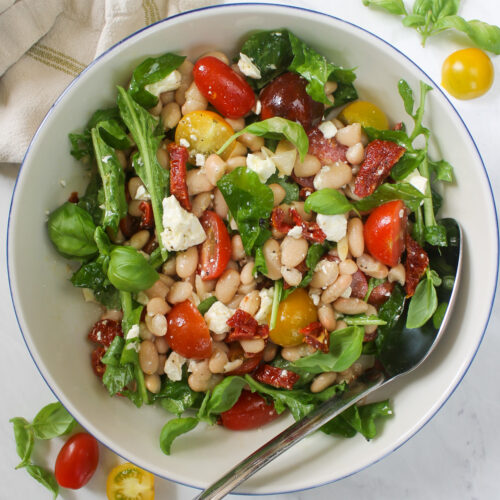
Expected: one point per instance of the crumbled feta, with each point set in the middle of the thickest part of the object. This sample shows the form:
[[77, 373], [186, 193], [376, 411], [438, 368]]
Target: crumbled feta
[[328, 129], [417, 181], [133, 333], [200, 160], [142, 194], [346, 293], [334, 226], [142, 298], [258, 107], [182, 229], [171, 82], [88, 295], [295, 232], [266, 304], [263, 168], [62, 183], [217, 316], [173, 366], [315, 297], [248, 68], [184, 142]]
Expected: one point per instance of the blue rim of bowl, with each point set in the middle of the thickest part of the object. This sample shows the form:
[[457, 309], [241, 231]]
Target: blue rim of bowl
[[330, 16]]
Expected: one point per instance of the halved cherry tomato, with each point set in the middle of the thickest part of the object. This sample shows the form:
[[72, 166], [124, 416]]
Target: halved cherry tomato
[[227, 91], [205, 131], [77, 461], [286, 96], [215, 251], [366, 113], [249, 412], [294, 313], [384, 232], [129, 482], [187, 332]]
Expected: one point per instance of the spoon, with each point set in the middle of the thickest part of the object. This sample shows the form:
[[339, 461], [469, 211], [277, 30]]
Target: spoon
[[401, 352]]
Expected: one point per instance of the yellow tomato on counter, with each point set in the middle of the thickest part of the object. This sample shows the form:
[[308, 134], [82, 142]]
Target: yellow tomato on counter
[[129, 482]]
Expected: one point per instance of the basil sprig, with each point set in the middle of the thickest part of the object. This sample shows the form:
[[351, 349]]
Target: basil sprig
[[430, 17]]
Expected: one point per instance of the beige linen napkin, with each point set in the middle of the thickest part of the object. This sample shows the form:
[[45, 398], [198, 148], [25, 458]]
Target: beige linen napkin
[[45, 44]]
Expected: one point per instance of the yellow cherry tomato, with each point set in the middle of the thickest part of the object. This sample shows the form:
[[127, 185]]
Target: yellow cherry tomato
[[294, 313], [205, 131], [366, 113], [129, 482], [467, 73]]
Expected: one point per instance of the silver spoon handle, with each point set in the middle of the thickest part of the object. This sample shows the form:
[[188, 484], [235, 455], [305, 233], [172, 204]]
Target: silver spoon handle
[[279, 444]]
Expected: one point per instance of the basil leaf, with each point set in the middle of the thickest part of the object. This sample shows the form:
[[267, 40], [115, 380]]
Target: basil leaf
[[328, 202], [71, 230], [250, 203], [44, 477], [391, 6], [422, 7], [314, 254], [407, 164], [413, 21], [113, 181], [129, 270], [206, 304], [390, 311], [292, 190], [438, 316], [173, 429], [176, 396], [436, 235], [423, 304], [406, 94], [410, 195], [145, 133], [363, 418], [25, 440], [442, 169], [443, 8], [484, 35], [345, 349], [338, 426], [260, 262], [152, 70], [271, 52], [52, 421], [116, 378], [93, 199]]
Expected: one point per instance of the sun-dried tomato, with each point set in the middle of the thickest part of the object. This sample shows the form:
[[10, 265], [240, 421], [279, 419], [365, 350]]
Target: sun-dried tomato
[[307, 182], [310, 230], [316, 335], [277, 377], [249, 364], [328, 151], [73, 197], [416, 263], [95, 358], [129, 225], [179, 156], [151, 245], [104, 331], [305, 192], [147, 218], [244, 327], [380, 157], [359, 285], [381, 293], [279, 222]]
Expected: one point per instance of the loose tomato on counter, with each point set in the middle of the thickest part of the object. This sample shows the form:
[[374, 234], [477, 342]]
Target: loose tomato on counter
[[366, 113], [294, 313], [249, 412], [129, 482], [215, 251], [227, 91], [187, 332], [384, 232], [77, 461]]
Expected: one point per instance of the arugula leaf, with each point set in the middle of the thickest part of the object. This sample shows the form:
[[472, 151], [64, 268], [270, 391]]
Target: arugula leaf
[[411, 196], [291, 188], [407, 164], [152, 70], [25, 440], [363, 319], [260, 262], [277, 295], [250, 203], [391, 6], [390, 311], [173, 429], [113, 180], [275, 128], [345, 349], [442, 169], [423, 304], [93, 199], [144, 129], [113, 133], [314, 254], [44, 477], [206, 304], [52, 421], [398, 136], [328, 201]]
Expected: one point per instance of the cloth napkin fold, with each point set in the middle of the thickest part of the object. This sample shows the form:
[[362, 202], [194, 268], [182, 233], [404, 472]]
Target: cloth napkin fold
[[45, 44]]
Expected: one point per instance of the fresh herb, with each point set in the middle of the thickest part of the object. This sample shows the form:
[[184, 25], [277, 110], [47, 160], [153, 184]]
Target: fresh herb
[[71, 230], [175, 428], [52, 421], [328, 202], [275, 128], [93, 199], [278, 290], [260, 262], [117, 376], [25, 440], [410, 195], [438, 316], [250, 203], [430, 17], [314, 254], [44, 477], [147, 136], [206, 304], [176, 396], [423, 304], [292, 189], [152, 70], [363, 319], [374, 282]]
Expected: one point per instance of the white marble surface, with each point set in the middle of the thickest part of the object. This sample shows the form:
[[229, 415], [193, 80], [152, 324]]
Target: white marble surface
[[456, 455]]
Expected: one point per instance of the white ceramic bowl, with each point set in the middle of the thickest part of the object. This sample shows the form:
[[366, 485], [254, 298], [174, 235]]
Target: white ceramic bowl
[[54, 319]]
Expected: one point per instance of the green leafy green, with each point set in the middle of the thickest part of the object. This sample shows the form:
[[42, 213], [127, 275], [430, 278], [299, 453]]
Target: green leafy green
[[44, 477], [328, 201], [260, 262], [363, 319], [176, 396], [278, 290], [206, 304], [411, 196], [391, 6], [291, 188], [314, 254], [275, 128], [52, 421], [25, 440], [93, 199], [71, 230], [117, 376], [423, 304], [152, 70], [345, 348], [438, 316], [173, 429], [250, 203]]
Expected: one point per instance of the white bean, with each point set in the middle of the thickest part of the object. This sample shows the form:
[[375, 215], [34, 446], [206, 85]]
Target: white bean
[[293, 251]]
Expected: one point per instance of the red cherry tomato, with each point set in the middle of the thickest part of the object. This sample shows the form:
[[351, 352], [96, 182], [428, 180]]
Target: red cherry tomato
[[384, 232], [286, 96], [187, 332], [215, 251], [249, 412], [77, 461], [229, 94]]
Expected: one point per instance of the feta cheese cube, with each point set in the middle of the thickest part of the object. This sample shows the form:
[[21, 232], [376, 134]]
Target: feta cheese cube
[[184, 142], [182, 229], [295, 232], [258, 107], [173, 366], [200, 160], [133, 333], [328, 129], [142, 194], [417, 181], [216, 317], [266, 304], [334, 226], [263, 168], [248, 68], [171, 82]]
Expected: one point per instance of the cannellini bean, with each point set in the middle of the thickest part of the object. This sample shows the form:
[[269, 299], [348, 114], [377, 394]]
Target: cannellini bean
[[291, 275], [113, 314], [238, 150], [272, 255], [253, 346], [351, 374], [333, 176], [293, 251], [170, 115], [372, 267], [215, 167], [148, 357], [161, 345], [299, 206], [193, 93], [326, 317], [235, 302], [220, 205], [325, 273], [156, 110], [355, 154], [251, 141], [310, 166], [336, 289], [251, 303], [133, 185], [144, 332], [348, 266], [349, 135], [397, 273], [163, 158], [343, 248], [159, 289], [203, 288], [293, 353], [152, 383], [122, 158], [245, 289], [157, 305], [355, 237], [350, 306], [201, 203], [246, 275], [369, 329], [168, 280], [169, 267], [197, 182], [227, 285], [218, 55], [186, 262], [217, 361], [237, 124], [162, 358], [279, 193], [235, 162], [199, 379], [179, 292], [157, 324], [237, 250], [134, 208], [322, 381], [167, 97], [270, 352]]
